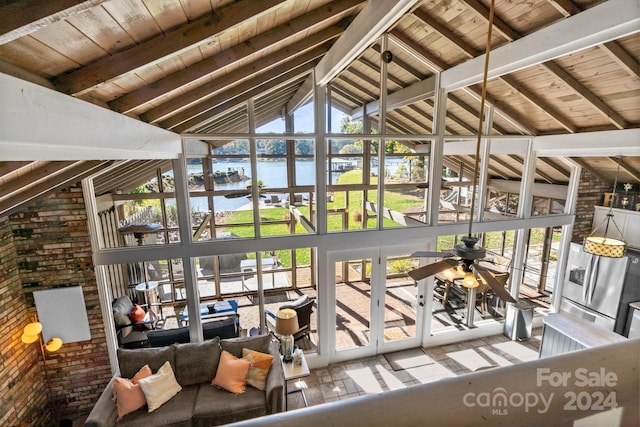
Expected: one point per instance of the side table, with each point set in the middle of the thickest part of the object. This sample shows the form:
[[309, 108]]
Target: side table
[[294, 372]]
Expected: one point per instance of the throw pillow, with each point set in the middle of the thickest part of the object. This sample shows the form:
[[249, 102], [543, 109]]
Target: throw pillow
[[159, 387], [260, 365], [259, 343], [232, 373], [137, 314], [128, 394]]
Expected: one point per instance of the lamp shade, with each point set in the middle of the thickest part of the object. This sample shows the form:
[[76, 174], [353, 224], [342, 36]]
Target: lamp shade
[[54, 344], [33, 329], [604, 246], [28, 339], [286, 321]]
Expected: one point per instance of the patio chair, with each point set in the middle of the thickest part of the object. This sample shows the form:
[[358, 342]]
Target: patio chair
[[131, 334], [303, 307]]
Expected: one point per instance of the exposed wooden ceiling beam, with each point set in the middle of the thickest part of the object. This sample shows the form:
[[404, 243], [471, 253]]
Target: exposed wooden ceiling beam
[[232, 55], [635, 173], [9, 167], [505, 165], [538, 102], [604, 22], [584, 165], [565, 7], [539, 173], [171, 43], [192, 112], [262, 65], [556, 165], [616, 119], [242, 93], [624, 59], [23, 17], [374, 19], [44, 170], [65, 178], [445, 32], [501, 27]]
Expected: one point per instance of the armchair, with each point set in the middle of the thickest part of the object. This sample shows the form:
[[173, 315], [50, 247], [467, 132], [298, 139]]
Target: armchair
[[131, 334], [303, 307]]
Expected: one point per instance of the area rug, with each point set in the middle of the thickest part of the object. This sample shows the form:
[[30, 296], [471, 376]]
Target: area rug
[[406, 359]]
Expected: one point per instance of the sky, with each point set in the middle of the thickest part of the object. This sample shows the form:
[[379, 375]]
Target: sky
[[303, 117]]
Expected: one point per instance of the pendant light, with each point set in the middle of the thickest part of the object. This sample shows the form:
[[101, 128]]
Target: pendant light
[[605, 244]]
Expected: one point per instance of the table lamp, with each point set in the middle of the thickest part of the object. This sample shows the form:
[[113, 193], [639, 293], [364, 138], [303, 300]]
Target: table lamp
[[286, 326]]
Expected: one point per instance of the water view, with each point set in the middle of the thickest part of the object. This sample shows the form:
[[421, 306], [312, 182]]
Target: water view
[[272, 173]]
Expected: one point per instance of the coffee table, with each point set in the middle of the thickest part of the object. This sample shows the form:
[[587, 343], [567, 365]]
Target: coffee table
[[221, 309]]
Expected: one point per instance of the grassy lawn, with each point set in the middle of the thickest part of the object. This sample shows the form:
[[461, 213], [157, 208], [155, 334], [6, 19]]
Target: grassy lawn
[[393, 200]]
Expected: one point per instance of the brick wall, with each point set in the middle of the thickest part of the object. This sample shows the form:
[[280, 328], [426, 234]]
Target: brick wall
[[590, 193], [51, 247], [23, 395]]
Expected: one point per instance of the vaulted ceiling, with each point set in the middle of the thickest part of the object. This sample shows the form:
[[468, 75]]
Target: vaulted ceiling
[[190, 66]]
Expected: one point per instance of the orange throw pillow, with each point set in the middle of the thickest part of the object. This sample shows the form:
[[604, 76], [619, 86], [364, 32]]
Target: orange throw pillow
[[260, 365], [137, 314], [128, 394], [232, 373]]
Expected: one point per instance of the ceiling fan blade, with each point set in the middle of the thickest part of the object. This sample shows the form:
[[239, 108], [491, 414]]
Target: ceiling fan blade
[[422, 254], [495, 286], [431, 269]]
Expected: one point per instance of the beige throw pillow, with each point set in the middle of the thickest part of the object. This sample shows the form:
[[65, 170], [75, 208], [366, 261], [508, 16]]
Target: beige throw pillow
[[159, 387]]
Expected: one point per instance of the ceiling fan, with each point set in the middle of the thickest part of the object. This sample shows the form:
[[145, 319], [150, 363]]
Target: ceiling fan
[[469, 253]]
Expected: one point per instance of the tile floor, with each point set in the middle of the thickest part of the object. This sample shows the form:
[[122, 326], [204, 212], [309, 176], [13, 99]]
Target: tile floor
[[374, 374]]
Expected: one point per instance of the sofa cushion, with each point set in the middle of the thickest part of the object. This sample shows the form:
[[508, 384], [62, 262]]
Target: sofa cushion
[[159, 387], [260, 365], [178, 411], [131, 360], [257, 343], [197, 362], [228, 407], [232, 373]]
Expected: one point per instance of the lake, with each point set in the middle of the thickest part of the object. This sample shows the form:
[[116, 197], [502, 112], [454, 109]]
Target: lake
[[272, 173]]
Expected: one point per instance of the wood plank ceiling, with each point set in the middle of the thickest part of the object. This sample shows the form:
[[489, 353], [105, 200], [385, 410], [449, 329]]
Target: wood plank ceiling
[[191, 65]]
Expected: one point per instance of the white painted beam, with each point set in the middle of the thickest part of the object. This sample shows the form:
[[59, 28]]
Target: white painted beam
[[42, 124], [607, 21], [407, 96], [375, 18], [624, 142]]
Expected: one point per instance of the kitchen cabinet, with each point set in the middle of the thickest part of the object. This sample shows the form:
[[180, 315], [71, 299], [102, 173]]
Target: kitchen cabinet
[[628, 222]]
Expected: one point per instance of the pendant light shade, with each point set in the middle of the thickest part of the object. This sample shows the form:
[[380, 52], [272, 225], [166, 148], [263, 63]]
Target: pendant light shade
[[604, 243]]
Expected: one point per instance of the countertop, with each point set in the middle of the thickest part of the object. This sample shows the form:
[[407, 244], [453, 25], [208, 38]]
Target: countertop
[[581, 331]]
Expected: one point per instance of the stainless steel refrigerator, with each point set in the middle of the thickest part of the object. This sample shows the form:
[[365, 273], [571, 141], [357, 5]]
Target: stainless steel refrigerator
[[599, 289]]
